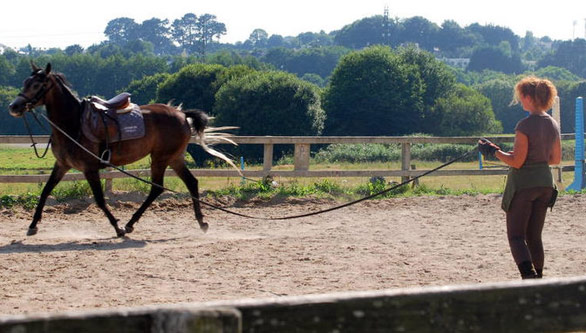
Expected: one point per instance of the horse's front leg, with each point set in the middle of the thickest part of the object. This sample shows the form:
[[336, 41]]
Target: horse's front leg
[[93, 178], [56, 175]]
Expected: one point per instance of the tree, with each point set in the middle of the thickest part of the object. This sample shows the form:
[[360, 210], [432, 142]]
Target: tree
[[157, 32], [209, 29], [258, 38], [363, 33], [105, 49], [421, 31], [144, 91], [568, 54], [275, 41], [438, 79], [269, 103], [315, 79], [7, 70], [317, 60], [73, 49], [225, 58], [493, 35], [194, 86], [121, 30], [568, 92], [137, 46], [453, 39], [554, 73], [279, 57], [500, 94], [465, 112], [374, 92], [195, 34], [312, 39], [495, 58], [184, 31], [10, 125]]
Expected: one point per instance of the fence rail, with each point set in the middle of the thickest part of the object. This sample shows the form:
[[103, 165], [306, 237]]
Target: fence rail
[[301, 158]]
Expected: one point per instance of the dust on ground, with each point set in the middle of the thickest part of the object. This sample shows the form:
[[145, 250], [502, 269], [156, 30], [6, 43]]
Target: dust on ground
[[75, 262]]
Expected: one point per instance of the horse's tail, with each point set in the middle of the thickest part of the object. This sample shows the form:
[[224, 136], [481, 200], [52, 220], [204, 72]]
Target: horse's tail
[[206, 136]]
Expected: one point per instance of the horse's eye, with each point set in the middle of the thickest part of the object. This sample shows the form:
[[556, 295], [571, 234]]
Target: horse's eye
[[36, 85]]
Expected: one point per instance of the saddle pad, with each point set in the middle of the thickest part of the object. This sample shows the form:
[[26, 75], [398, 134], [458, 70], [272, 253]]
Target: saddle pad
[[131, 124]]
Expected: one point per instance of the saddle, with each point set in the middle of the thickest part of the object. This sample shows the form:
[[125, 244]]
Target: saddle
[[113, 120]]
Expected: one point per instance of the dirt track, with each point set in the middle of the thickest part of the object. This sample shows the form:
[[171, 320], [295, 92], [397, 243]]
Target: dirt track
[[74, 262]]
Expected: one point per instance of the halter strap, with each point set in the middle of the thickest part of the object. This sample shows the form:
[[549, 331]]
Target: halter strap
[[30, 102]]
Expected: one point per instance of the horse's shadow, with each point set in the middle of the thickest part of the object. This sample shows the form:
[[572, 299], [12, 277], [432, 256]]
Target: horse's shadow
[[99, 244], [103, 244]]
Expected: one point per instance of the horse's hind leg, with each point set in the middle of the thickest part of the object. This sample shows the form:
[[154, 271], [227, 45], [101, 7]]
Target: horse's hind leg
[[93, 178], [157, 177], [56, 176], [192, 185]]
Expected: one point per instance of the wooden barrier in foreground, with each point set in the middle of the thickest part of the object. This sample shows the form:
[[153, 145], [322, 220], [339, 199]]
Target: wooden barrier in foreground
[[550, 305]]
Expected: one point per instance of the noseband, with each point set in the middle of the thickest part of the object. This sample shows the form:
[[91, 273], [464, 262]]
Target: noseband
[[31, 102]]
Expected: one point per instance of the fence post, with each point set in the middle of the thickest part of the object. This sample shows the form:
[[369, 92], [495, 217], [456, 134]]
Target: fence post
[[416, 182], [108, 186], [405, 159], [242, 180], [557, 169], [578, 183], [302, 156], [267, 162]]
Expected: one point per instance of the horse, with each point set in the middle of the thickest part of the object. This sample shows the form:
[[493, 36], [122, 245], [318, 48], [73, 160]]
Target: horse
[[168, 131]]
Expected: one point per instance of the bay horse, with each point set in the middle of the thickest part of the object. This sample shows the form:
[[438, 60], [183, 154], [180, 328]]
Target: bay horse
[[167, 132]]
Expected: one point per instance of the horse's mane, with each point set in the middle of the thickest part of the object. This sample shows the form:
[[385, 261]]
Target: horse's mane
[[60, 78]]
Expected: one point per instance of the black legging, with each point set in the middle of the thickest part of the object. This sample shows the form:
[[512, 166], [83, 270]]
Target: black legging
[[525, 220]]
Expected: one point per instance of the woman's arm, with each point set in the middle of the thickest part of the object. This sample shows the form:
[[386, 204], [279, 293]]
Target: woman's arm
[[517, 157], [556, 152]]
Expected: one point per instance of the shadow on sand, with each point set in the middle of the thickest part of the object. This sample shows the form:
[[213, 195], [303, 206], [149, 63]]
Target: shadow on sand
[[106, 244]]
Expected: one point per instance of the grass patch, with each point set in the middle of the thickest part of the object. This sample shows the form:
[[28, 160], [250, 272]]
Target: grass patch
[[365, 157]]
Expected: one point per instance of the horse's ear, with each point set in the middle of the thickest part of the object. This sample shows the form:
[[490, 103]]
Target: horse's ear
[[48, 68], [34, 67]]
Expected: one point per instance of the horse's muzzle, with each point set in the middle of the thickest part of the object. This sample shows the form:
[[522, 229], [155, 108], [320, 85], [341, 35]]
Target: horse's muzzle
[[18, 107]]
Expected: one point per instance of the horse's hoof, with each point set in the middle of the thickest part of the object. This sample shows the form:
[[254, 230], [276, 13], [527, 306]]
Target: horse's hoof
[[204, 227], [120, 232], [128, 229], [32, 231]]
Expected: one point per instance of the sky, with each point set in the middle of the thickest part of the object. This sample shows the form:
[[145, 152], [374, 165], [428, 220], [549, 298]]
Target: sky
[[60, 23]]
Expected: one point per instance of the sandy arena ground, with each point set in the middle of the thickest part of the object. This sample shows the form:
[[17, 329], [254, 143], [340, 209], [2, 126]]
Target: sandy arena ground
[[75, 263]]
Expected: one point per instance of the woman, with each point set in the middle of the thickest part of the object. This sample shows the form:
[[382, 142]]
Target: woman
[[530, 188]]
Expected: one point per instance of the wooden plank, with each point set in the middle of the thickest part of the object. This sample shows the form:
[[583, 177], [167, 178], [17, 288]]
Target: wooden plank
[[553, 305], [20, 139], [163, 318], [262, 173]]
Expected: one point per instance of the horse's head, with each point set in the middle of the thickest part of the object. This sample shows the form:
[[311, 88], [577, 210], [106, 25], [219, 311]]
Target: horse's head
[[33, 91]]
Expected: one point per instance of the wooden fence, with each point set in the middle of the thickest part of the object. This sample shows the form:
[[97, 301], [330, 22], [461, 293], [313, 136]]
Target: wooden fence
[[548, 305], [301, 158]]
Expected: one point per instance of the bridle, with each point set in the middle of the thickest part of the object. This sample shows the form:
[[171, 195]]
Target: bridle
[[47, 85]]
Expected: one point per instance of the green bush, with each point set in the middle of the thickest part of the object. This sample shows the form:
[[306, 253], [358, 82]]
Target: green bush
[[358, 153], [361, 153], [269, 103]]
